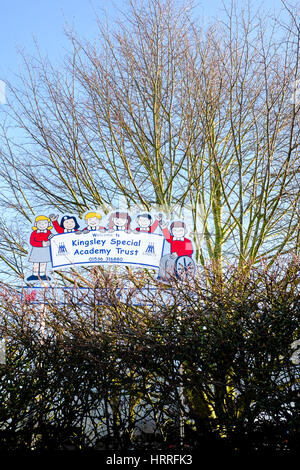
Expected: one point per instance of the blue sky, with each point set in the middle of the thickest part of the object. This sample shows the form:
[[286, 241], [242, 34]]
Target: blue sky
[[44, 20]]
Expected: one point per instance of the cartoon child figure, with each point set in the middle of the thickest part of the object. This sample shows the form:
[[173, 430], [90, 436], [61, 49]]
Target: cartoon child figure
[[67, 224], [119, 221], [180, 246], [92, 223], [144, 221], [40, 252]]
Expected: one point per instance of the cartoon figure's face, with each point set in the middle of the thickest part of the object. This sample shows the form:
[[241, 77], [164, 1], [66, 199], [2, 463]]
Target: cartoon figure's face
[[69, 224], [42, 224], [93, 221], [178, 232], [144, 222], [119, 221]]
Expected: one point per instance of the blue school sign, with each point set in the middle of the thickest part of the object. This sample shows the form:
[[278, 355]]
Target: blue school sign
[[112, 241]]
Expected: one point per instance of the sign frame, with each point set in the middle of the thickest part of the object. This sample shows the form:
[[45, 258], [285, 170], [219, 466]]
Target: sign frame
[[107, 236]]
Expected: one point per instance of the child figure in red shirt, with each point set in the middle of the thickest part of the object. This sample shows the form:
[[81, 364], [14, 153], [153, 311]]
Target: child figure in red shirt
[[40, 251], [180, 246], [145, 226], [67, 224]]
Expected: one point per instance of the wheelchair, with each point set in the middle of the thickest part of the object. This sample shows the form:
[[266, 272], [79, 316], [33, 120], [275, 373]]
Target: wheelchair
[[182, 267]]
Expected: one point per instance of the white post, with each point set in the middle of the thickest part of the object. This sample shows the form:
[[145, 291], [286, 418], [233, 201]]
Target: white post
[[2, 351], [42, 319]]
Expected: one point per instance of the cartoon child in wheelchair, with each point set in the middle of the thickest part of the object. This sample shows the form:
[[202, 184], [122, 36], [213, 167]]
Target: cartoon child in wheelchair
[[178, 262]]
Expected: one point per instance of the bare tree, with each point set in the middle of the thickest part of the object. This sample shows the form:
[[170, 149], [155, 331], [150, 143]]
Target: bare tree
[[162, 111]]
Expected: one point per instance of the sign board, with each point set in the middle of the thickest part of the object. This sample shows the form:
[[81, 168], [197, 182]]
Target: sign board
[[115, 239], [142, 249]]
